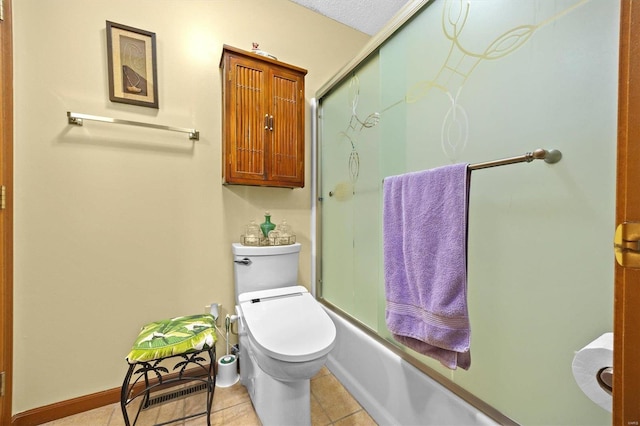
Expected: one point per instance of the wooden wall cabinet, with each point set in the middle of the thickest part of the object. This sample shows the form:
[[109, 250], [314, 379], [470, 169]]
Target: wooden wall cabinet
[[263, 120]]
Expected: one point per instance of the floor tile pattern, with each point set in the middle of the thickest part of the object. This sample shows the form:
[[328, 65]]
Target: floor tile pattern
[[331, 404]]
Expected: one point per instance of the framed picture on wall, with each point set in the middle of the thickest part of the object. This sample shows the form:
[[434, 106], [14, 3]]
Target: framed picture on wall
[[131, 57]]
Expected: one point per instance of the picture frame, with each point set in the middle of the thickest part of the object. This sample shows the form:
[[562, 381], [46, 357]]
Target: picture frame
[[133, 73]]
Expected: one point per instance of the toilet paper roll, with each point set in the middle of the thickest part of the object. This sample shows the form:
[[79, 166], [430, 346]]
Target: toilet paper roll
[[587, 365]]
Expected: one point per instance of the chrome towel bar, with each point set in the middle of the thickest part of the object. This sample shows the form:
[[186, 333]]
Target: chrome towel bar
[[78, 119], [552, 156]]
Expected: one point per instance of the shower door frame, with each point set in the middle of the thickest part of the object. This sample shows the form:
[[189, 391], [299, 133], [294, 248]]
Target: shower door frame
[[626, 394]]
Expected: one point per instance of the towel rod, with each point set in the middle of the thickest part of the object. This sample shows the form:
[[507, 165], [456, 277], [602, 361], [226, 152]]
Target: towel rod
[[77, 119], [552, 156]]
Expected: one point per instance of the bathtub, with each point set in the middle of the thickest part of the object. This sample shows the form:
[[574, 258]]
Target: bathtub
[[390, 389]]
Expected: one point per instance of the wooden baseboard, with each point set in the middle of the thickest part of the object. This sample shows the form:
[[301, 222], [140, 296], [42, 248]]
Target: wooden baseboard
[[66, 408], [78, 405]]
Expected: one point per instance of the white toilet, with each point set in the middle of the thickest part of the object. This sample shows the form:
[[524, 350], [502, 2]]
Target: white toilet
[[284, 334]]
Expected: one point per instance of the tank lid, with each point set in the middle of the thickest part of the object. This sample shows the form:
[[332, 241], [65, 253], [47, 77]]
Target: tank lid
[[240, 250]]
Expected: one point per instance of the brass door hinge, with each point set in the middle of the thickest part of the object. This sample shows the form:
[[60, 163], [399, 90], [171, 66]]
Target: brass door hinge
[[626, 244], [3, 195], [1, 10], [2, 383]]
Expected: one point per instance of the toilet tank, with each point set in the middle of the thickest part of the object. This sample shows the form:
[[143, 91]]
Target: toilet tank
[[263, 268]]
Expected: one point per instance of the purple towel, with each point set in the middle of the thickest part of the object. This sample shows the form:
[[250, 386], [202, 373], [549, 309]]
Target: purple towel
[[425, 262]]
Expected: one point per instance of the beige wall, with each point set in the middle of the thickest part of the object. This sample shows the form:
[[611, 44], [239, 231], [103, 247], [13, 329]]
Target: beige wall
[[116, 226]]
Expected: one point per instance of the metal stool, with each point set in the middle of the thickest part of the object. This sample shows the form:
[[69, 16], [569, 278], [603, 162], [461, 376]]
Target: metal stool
[[189, 343]]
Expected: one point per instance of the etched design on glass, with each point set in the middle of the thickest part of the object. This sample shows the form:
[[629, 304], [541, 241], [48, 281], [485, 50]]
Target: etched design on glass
[[352, 133], [460, 64], [455, 128], [450, 79]]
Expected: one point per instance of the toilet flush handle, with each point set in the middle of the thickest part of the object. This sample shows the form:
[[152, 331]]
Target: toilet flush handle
[[245, 261]]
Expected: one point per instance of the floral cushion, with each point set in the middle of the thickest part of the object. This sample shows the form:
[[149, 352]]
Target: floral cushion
[[174, 336]]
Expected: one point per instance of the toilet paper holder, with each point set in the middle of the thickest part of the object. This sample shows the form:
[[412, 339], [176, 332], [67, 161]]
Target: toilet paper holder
[[605, 379]]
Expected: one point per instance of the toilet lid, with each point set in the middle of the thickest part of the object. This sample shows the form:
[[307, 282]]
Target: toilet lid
[[288, 323]]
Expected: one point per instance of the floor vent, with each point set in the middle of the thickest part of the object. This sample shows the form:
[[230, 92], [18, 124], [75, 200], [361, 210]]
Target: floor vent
[[161, 399]]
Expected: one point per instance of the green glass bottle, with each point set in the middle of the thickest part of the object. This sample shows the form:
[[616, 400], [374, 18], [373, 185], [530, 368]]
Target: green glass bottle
[[267, 225]]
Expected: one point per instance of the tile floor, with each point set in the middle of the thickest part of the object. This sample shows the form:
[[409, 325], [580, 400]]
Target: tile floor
[[331, 404]]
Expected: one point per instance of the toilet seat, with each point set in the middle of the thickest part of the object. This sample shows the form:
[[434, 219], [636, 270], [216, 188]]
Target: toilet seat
[[287, 323]]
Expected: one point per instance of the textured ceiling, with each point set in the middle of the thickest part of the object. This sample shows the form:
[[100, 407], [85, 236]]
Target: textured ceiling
[[367, 16]]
